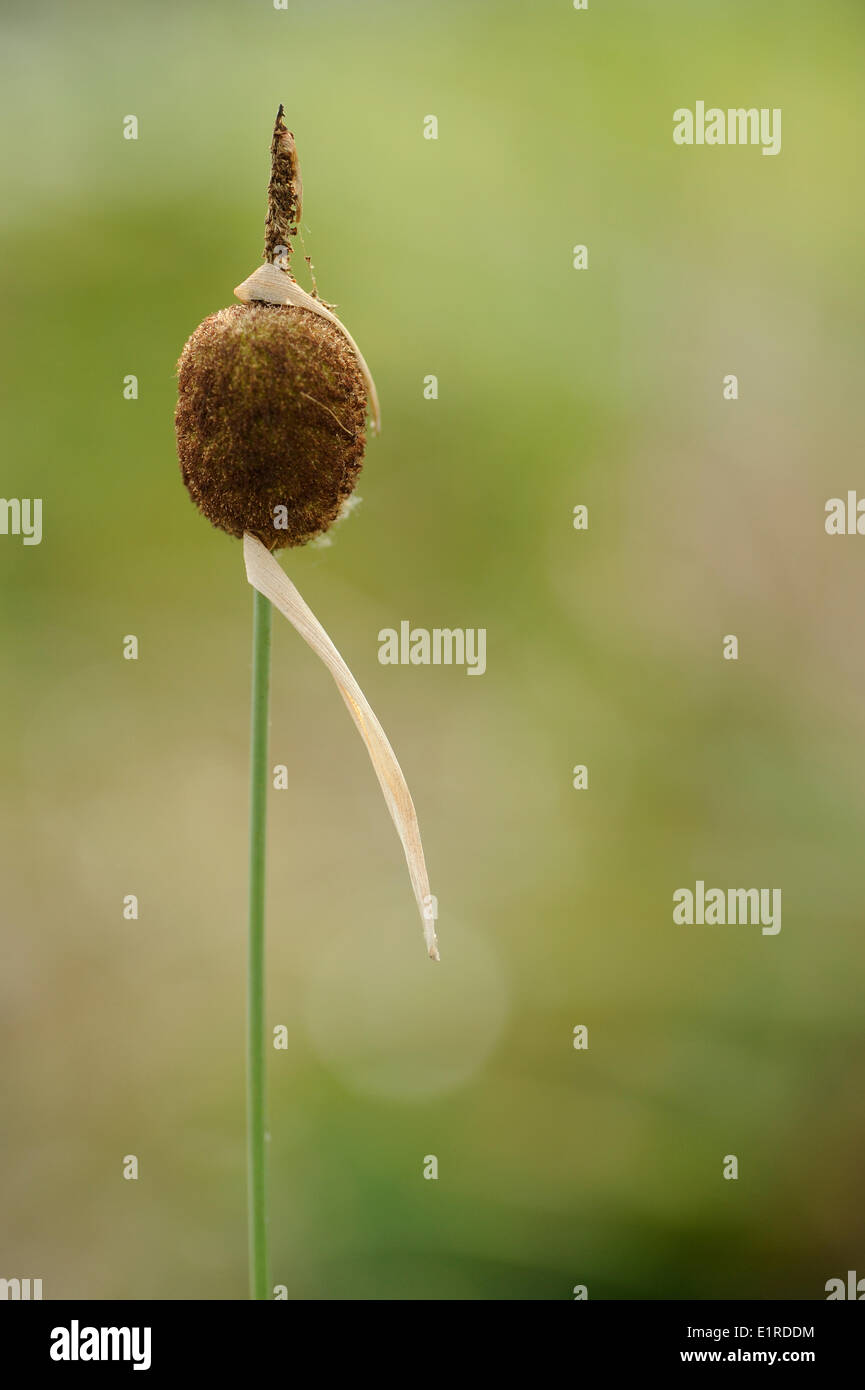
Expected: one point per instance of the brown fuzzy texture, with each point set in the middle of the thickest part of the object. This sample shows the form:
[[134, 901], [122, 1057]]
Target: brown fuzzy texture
[[271, 412]]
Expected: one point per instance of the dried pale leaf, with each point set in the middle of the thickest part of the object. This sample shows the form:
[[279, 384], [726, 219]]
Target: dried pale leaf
[[275, 286], [268, 577]]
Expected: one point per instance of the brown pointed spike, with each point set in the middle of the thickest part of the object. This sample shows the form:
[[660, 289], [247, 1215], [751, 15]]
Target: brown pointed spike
[[284, 195]]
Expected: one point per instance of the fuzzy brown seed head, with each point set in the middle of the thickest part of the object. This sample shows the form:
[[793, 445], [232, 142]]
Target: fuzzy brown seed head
[[270, 422]]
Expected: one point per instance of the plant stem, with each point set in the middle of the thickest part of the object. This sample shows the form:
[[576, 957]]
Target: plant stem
[[256, 1118]]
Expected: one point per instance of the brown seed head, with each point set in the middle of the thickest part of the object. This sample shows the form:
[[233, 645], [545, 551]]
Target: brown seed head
[[270, 422]]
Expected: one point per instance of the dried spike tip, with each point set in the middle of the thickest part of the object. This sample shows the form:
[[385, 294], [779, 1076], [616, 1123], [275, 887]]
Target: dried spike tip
[[284, 195]]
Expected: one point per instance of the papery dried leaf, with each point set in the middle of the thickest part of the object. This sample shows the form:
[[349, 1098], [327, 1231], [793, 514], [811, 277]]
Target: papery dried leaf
[[268, 577]]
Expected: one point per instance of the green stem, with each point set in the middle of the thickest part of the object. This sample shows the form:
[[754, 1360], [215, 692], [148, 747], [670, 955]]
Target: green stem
[[256, 1117]]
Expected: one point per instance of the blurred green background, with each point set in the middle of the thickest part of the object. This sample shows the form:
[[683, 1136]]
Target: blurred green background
[[449, 257]]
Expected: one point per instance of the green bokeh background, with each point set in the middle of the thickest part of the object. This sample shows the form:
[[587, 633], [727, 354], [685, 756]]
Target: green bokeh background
[[556, 1167]]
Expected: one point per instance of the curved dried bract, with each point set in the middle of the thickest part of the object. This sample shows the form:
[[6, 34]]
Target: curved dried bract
[[268, 577], [274, 286]]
